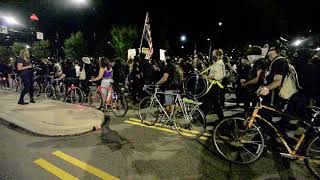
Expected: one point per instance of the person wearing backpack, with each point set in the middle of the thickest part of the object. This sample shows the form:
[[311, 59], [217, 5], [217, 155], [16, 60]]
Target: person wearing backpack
[[279, 71]]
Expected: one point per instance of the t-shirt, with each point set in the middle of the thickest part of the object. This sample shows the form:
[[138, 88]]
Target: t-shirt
[[218, 70], [261, 64], [70, 71], [25, 64], [278, 67], [169, 69]]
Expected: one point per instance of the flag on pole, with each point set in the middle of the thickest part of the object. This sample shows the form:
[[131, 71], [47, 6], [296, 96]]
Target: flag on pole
[[147, 34]]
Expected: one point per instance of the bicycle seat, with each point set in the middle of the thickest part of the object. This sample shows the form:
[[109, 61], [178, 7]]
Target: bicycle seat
[[313, 108]]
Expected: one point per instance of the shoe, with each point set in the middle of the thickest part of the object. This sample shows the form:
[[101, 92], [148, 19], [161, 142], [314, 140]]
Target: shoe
[[32, 101], [22, 103]]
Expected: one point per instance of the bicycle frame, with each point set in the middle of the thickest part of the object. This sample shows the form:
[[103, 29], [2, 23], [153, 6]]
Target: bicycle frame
[[178, 103], [100, 88], [293, 151]]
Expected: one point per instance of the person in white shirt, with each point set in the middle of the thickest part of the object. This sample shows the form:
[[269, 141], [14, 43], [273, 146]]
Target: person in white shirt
[[77, 67], [212, 100]]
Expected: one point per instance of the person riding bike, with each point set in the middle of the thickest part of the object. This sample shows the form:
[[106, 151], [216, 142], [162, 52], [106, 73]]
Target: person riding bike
[[106, 74]]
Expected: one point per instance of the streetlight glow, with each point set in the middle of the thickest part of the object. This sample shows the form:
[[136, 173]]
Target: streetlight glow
[[10, 20], [220, 23], [79, 1], [297, 42], [182, 47], [208, 39], [183, 38]]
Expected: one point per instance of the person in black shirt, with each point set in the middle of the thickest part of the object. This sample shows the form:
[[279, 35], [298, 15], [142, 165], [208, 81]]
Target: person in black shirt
[[165, 82], [26, 71], [278, 70], [256, 74]]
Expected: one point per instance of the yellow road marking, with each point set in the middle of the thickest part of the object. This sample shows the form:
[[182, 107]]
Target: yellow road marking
[[97, 172], [54, 169], [185, 130], [163, 129]]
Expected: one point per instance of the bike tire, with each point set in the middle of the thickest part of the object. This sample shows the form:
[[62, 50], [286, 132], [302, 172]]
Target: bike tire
[[149, 111], [76, 96], [311, 160], [225, 143], [36, 89], [119, 104], [95, 100], [50, 92], [194, 127]]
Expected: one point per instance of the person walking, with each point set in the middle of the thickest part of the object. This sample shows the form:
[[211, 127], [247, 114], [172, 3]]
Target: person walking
[[26, 70]]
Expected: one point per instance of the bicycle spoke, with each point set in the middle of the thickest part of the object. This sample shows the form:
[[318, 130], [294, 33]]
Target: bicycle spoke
[[252, 155]]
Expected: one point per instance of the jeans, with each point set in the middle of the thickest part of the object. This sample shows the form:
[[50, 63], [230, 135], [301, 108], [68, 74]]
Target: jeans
[[28, 83]]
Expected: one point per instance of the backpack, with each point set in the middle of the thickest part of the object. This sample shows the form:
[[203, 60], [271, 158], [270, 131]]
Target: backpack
[[177, 78], [290, 84]]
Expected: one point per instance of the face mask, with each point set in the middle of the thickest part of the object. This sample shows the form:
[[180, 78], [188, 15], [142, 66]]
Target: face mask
[[253, 58]]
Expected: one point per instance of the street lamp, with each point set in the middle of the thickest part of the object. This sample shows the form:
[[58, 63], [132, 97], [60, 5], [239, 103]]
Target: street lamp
[[220, 23], [182, 47], [183, 38]]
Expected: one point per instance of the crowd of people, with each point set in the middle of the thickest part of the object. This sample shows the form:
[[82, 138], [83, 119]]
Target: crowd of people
[[260, 69]]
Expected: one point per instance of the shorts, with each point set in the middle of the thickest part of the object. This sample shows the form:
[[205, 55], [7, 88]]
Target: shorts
[[106, 83], [169, 99]]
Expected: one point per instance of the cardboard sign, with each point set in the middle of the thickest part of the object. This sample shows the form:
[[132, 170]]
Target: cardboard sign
[[39, 35], [3, 29]]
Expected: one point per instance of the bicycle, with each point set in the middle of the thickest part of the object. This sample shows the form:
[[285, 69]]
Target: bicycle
[[55, 90], [188, 120], [241, 141], [118, 102]]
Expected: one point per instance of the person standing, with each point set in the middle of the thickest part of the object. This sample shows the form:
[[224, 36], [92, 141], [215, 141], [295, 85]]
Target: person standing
[[212, 100], [85, 74], [26, 70]]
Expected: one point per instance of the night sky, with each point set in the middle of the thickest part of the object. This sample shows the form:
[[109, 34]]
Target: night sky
[[246, 21]]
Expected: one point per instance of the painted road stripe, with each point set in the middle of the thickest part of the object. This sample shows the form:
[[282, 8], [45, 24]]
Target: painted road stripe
[[54, 169], [185, 130], [97, 172], [163, 129]]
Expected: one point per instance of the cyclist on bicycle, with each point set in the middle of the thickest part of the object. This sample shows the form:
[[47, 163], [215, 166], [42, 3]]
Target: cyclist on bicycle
[[166, 80], [68, 74], [106, 74]]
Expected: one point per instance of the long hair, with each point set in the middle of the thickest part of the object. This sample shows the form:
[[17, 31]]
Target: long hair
[[105, 63], [21, 55]]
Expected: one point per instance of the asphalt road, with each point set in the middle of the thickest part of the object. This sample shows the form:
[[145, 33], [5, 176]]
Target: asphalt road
[[122, 150]]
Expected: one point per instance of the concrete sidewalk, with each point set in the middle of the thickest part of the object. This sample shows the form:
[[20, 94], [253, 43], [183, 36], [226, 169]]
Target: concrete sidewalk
[[47, 117]]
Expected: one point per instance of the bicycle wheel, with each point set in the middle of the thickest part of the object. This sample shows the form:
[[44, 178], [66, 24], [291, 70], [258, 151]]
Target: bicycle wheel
[[119, 104], [50, 92], [149, 111], [76, 96], [313, 156], [36, 89], [95, 100], [236, 143], [61, 92], [192, 125]]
